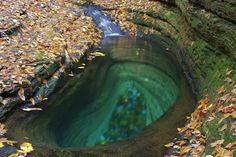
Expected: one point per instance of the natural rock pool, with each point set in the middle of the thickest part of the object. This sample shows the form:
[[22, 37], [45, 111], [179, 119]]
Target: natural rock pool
[[132, 98], [115, 98]]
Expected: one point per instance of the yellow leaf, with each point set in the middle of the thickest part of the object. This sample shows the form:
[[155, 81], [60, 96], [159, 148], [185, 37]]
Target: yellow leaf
[[185, 150], [26, 147], [13, 155], [179, 129], [1, 145], [233, 114], [169, 144], [223, 128], [224, 117]]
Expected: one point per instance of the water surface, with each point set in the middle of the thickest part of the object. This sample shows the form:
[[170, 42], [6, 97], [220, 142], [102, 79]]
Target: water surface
[[114, 99]]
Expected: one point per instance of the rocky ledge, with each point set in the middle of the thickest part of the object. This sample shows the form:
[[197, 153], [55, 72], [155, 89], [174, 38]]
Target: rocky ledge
[[37, 47]]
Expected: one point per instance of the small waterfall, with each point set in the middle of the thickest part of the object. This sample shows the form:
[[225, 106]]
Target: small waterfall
[[104, 22]]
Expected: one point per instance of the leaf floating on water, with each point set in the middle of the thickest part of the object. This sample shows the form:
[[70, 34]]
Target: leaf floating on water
[[169, 145], [21, 94], [13, 155], [26, 147], [71, 75], [32, 101], [32, 109], [81, 67], [97, 54], [5, 140], [2, 129], [1, 145]]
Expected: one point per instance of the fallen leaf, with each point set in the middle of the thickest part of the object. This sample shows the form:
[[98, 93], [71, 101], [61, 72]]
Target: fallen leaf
[[32, 109], [224, 117], [32, 101], [231, 146], [229, 109], [26, 147], [5, 140], [13, 155], [210, 118], [71, 75], [233, 128], [21, 94], [2, 129], [185, 150], [233, 114], [223, 127], [221, 90], [216, 143], [221, 152], [97, 54], [169, 145]]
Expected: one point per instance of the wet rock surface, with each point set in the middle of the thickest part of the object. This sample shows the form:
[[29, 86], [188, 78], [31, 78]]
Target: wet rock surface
[[7, 151]]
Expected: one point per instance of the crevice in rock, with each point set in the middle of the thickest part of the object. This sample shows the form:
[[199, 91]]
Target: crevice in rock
[[153, 15], [218, 9]]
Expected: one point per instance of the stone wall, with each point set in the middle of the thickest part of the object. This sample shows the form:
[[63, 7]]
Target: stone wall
[[205, 31]]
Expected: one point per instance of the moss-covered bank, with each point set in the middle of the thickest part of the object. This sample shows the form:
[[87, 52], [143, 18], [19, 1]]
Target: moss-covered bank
[[207, 40]]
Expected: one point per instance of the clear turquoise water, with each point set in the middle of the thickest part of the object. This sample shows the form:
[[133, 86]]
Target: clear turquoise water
[[115, 98]]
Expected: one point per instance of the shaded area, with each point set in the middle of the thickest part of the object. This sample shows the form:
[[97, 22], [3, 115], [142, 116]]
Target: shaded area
[[115, 98]]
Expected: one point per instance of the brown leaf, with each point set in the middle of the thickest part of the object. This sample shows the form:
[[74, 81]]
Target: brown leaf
[[229, 109], [185, 150], [221, 152], [231, 146]]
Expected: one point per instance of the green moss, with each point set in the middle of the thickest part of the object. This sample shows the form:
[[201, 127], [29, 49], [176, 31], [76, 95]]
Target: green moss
[[212, 132], [207, 63], [211, 65]]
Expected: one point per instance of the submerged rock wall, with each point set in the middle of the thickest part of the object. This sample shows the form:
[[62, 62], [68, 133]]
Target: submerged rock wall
[[206, 34]]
